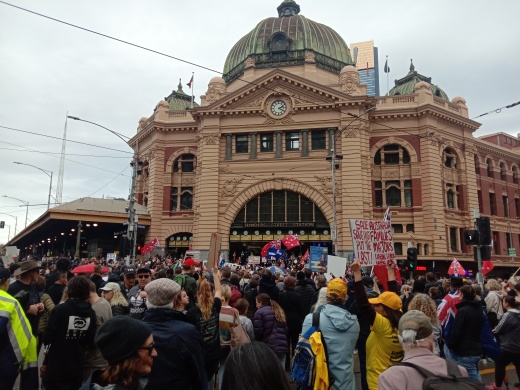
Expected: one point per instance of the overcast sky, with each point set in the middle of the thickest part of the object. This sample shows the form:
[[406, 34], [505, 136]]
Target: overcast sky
[[468, 47]]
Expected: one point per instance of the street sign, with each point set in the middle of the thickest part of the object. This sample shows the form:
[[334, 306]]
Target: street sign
[[512, 252]]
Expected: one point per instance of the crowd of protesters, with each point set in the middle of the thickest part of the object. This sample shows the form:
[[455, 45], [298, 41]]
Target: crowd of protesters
[[164, 323]]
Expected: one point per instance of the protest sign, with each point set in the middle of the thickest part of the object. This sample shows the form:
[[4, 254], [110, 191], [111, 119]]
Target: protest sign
[[336, 266], [372, 240], [111, 256], [214, 249], [318, 258]]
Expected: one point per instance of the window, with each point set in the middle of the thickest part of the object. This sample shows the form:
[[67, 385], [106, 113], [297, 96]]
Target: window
[[492, 204], [185, 163], [379, 193], [508, 240], [410, 228], [408, 199], [398, 248], [496, 243], [394, 192], [426, 249], [241, 145], [453, 239], [318, 140], [266, 143], [450, 199], [489, 167], [517, 207], [181, 200], [397, 228], [505, 205], [292, 141], [393, 196], [391, 155], [502, 171], [515, 175], [477, 165]]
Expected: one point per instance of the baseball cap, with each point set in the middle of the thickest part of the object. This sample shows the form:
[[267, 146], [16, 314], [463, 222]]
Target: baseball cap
[[337, 288], [190, 262], [143, 268], [130, 271], [418, 321], [389, 299], [111, 286]]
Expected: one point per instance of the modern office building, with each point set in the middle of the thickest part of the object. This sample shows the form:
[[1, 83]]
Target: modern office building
[[365, 56]]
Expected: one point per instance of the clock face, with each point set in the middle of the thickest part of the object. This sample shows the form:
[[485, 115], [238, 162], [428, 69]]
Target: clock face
[[278, 107]]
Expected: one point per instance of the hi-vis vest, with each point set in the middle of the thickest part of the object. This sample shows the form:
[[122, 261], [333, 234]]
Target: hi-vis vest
[[14, 321]]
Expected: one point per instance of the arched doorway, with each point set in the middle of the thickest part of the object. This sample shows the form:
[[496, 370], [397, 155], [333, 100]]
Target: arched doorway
[[272, 215], [177, 244]]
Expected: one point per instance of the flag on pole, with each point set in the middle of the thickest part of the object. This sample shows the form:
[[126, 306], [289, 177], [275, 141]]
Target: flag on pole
[[487, 266], [387, 215], [387, 68], [274, 252], [291, 241], [190, 82], [150, 246], [456, 269], [272, 244], [305, 257]]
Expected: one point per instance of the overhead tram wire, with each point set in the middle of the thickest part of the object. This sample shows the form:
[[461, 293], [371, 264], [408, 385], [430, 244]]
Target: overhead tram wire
[[51, 153], [205, 67]]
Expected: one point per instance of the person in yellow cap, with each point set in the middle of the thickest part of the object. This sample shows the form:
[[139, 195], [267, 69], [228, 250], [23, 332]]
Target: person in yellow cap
[[340, 330], [383, 313]]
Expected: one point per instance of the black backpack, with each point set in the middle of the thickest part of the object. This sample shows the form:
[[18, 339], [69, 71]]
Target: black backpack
[[453, 381]]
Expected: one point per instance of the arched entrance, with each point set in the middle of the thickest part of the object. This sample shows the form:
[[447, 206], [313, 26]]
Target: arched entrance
[[272, 215], [177, 244]]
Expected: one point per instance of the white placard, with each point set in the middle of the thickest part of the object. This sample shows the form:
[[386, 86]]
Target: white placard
[[336, 266], [372, 240]]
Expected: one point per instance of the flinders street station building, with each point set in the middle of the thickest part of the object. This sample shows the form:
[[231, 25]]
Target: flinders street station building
[[252, 160]]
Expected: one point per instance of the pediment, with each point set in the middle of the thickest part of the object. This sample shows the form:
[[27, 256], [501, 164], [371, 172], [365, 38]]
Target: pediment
[[303, 94]]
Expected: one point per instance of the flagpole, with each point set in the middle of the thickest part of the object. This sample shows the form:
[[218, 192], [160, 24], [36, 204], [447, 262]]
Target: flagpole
[[192, 82], [387, 83]]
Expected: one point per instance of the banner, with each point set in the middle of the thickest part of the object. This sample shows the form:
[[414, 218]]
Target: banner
[[372, 240], [318, 256]]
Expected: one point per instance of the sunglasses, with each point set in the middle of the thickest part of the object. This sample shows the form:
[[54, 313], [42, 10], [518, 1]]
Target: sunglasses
[[143, 276], [149, 348]]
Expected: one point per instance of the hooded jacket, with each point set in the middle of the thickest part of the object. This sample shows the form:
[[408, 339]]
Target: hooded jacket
[[465, 334], [509, 331], [340, 329], [268, 286]]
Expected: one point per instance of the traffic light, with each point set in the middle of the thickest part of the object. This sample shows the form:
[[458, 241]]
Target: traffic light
[[472, 237], [2, 224], [485, 253], [411, 258], [484, 229]]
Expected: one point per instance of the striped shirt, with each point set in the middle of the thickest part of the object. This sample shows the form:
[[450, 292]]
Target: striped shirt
[[226, 322]]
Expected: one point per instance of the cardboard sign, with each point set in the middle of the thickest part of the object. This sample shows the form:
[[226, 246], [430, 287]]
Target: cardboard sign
[[318, 258], [214, 249], [372, 240], [336, 266]]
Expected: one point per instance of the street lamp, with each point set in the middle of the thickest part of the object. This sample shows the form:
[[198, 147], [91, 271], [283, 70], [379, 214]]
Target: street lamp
[[48, 173], [333, 158], [25, 203], [132, 215], [15, 221]]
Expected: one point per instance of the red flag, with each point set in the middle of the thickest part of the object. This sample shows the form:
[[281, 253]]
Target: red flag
[[487, 266], [382, 274], [190, 82], [275, 244], [305, 257], [291, 241], [455, 267], [150, 246]]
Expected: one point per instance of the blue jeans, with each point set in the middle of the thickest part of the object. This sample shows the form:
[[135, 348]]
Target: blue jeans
[[470, 363]]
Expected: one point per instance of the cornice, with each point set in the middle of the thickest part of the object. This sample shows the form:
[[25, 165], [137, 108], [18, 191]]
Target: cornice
[[163, 128], [495, 149]]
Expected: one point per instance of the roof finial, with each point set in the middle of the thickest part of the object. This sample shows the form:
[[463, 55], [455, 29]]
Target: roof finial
[[412, 68], [179, 87], [288, 8]]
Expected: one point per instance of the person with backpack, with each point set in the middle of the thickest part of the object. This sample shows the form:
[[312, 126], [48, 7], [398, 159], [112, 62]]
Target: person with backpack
[[416, 337], [340, 331], [187, 281]]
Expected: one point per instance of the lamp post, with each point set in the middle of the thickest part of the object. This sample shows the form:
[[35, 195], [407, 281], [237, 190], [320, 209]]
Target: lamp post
[[15, 221], [333, 157], [48, 173], [132, 215], [25, 203]]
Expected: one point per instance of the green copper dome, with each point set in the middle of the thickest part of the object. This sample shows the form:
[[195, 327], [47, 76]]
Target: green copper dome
[[291, 39], [179, 100], [406, 85]]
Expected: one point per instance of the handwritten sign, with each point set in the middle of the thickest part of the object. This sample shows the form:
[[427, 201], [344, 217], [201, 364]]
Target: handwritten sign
[[214, 249], [373, 244]]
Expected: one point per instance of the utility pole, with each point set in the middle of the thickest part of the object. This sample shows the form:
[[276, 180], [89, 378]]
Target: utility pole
[[78, 241], [132, 215]]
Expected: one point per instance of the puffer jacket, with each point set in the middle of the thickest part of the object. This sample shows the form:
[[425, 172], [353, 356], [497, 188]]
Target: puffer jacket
[[509, 331], [465, 333], [340, 329], [305, 291], [270, 331]]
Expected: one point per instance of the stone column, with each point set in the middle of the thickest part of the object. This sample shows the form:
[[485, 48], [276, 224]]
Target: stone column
[[229, 146], [305, 143], [278, 153], [252, 152]]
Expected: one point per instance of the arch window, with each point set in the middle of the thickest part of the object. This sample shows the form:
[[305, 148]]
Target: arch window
[[181, 195], [181, 198], [502, 171], [185, 163], [489, 167], [392, 154]]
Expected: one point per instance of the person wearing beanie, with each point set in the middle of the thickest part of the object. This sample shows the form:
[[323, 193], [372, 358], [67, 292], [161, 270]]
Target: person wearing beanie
[[383, 314], [340, 330], [180, 360], [416, 337], [130, 355]]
